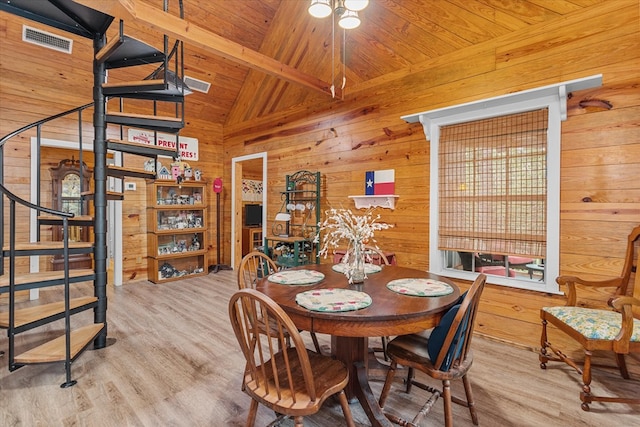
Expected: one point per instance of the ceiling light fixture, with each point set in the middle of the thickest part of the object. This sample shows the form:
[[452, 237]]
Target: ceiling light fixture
[[346, 13]]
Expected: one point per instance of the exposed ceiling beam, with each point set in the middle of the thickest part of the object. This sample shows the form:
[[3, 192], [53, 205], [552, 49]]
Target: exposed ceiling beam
[[191, 34]]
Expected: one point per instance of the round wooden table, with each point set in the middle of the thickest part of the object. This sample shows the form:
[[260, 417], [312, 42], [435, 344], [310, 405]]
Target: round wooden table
[[390, 313]]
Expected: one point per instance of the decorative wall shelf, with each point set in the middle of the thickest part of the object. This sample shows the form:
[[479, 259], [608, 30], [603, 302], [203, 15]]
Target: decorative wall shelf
[[382, 201]]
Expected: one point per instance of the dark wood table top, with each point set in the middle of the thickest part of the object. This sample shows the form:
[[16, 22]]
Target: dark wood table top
[[390, 313]]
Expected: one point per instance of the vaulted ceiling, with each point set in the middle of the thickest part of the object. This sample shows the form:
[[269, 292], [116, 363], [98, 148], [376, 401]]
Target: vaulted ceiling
[[395, 35]]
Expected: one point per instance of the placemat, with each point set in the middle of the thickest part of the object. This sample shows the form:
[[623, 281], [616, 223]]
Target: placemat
[[333, 300], [420, 287], [296, 277], [368, 268]]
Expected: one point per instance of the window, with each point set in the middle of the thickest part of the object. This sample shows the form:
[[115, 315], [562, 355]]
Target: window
[[494, 186]]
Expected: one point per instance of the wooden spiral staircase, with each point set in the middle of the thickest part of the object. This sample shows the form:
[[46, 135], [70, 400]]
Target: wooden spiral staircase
[[163, 86]]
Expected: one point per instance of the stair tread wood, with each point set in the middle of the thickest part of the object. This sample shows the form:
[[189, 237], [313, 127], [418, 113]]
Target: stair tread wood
[[121, 171], [35, 313], [137, 144], [44, 276], [150, 82], [145, 116], [76, 220], [111, 195], [54, 350], [30, 246]]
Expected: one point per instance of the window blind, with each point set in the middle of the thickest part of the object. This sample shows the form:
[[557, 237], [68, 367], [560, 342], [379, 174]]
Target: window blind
[[492, 185]]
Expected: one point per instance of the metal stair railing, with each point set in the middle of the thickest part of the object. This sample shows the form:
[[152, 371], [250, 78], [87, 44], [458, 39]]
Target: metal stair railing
[[13, 200]]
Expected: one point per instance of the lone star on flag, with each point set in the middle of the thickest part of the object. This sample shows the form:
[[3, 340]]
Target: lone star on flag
[[370, 183]]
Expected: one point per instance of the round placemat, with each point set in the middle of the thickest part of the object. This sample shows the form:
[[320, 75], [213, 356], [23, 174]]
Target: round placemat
[[420, 287], [368, 268], [296, 277], [333, 300]]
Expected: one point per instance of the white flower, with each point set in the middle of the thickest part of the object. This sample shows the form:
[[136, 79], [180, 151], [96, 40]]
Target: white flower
[[342, 227]]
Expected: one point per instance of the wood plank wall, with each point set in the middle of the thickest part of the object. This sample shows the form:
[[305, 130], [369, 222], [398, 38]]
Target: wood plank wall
[[600, 187], [600, 177], [36, 83]]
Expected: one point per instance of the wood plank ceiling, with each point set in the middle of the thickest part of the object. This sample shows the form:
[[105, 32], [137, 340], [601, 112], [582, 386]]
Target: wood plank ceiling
[[395, 35]]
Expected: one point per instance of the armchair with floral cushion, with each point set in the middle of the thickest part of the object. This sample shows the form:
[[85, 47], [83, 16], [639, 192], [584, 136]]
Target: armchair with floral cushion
[[616, 329]]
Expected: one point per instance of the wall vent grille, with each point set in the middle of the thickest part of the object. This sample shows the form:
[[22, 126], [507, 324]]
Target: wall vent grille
[[45, 39], [197, 85]]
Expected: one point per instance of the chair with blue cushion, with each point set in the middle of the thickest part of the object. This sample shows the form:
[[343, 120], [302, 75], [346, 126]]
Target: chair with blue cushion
[[444, 353], [615, 329]]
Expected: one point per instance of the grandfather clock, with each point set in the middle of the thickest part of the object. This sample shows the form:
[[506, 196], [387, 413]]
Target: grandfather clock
[[66, 179]]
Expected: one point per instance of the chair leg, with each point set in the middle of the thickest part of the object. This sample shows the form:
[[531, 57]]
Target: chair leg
[[410, 374], [253, 411], [387, 384], [298, 421], [316, 344], [448, 410], [585, 395], [470, 403], [543, 346], [346, 409], [622, 365]]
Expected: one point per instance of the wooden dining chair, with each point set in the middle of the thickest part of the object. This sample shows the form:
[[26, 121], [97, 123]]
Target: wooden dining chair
[[615, 329], [254, 267], [289, 379], [375, 255], [443, 353]]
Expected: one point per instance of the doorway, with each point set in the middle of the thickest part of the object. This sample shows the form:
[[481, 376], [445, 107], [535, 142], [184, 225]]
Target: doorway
[[251, 166], [114, 211]]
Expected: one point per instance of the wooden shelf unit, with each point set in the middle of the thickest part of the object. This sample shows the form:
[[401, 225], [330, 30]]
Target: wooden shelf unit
[[176, 230], [301, 200]]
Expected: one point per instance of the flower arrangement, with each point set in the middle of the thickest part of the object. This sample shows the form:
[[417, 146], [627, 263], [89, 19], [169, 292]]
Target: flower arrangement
[[342, 226]]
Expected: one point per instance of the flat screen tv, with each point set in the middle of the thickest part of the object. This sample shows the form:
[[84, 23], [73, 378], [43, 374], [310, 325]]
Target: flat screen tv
[[252, 215]]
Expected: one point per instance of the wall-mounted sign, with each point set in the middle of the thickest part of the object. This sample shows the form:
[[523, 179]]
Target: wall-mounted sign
[[188, 146]]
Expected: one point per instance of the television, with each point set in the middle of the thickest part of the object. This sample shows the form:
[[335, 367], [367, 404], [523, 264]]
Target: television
[[252, 215]]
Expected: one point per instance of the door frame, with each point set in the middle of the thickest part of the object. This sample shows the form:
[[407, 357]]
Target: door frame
[[236, 202], [114, 212]]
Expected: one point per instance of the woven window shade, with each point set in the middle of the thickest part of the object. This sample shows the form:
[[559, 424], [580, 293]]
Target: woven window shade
[[493, 187]]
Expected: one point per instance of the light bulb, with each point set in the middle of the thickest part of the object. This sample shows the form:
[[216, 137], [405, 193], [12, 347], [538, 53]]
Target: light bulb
[[320, 8], [349, 20], [356, 5]]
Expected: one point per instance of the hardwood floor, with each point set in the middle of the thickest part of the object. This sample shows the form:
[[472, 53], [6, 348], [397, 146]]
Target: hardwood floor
[[172, 360]]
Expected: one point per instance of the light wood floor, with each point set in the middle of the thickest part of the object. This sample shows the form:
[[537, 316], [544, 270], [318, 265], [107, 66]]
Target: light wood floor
[[173, 361]]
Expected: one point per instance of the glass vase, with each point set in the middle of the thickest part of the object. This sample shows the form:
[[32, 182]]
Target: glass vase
[[357, 265]]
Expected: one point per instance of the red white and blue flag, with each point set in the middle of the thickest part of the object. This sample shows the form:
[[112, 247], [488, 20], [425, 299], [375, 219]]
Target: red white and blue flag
[[380, 182]]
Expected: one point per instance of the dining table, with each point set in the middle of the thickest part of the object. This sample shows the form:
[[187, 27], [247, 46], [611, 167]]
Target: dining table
[[393, 300]]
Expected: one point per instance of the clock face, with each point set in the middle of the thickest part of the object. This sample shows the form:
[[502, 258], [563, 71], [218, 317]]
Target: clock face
[[71, 185]]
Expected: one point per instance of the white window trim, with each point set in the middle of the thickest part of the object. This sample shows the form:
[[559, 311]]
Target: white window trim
[[554, 98]]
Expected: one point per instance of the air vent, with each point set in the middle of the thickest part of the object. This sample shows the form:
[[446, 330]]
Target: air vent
[[197, 85], [45, 39]]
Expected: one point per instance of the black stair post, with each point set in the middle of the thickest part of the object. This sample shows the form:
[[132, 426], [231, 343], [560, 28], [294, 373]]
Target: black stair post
[[100, 199]]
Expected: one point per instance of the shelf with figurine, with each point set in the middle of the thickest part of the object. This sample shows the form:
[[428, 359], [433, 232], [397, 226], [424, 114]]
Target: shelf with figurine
[[176, 229], [296, 224]]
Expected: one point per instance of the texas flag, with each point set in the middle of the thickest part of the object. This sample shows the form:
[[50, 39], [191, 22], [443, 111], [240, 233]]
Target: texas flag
[[380, 182]]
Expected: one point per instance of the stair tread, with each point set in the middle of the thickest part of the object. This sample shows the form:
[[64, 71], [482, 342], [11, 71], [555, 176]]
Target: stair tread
[[111, 195], [29, 246], [145, 116], [150, 82], [44, 276], [121, 171], [77, 220], [27, 315], [128, 51], [165, 151], [54, 350]]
